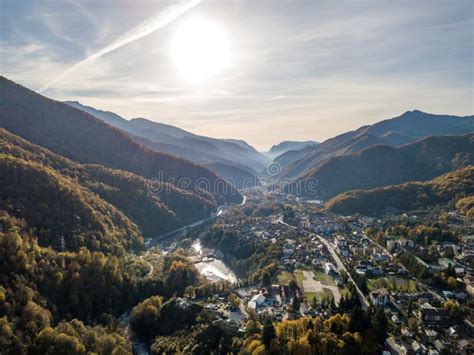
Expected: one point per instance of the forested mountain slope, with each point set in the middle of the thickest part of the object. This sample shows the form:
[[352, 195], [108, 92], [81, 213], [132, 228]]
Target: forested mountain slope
[[170, 139], [81, 137], [384, 165], [404, 129], [450, 188], [58, 209], [153, 206]]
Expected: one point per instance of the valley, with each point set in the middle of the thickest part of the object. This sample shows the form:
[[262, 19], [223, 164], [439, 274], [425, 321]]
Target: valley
[[238, 177], [112, 244]]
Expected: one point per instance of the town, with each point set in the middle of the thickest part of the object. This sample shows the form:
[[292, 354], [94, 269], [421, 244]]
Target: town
[[324, 264]]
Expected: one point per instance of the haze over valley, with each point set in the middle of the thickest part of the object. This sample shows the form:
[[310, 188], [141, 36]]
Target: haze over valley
[[236, 177]]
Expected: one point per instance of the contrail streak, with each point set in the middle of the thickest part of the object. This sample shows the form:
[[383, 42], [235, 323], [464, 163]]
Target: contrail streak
[[141, 30]]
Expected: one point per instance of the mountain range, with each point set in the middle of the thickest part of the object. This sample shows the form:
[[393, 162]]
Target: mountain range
[[118, 160], [83, 138], [383, 165], [232, 159], [407, 128]]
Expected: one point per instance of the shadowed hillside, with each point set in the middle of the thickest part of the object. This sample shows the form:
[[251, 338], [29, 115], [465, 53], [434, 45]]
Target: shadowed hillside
[[81, 137], [164, 209], [384, 165], [449, 188], [398, 131], [173, 140]]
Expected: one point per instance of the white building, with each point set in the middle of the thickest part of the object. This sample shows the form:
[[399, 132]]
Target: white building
[[328, 267], [258, 299]]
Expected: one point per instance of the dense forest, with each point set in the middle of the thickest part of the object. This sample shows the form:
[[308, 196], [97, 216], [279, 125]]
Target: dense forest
[[69, 302], [154, 207], [455, 189], [178, 326], [39, 195]]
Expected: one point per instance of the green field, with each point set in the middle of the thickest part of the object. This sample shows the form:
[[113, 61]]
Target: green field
[[324, 278], [319, 276], [285, 277], [392, 283], [320, 296], [299, 277]]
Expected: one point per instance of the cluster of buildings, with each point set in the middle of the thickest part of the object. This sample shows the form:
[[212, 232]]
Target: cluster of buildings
[[423, 324]]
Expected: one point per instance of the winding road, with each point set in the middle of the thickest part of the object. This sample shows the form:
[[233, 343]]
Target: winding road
[[149, 264]]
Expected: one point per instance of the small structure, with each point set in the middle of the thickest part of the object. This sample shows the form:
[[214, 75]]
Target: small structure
[[329, 268], [379, 297], [432, 316]]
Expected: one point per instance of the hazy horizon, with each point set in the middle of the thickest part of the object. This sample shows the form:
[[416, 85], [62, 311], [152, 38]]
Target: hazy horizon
[[258, 71]]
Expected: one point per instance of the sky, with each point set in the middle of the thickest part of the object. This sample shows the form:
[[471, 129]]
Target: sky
[[296, 70]]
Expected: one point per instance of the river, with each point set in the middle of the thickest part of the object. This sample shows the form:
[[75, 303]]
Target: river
[[214, 270]]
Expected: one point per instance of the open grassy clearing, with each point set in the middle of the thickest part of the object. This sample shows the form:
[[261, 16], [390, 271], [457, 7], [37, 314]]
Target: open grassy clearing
[[392, 283], [326, 295], [324, 278], [285, 277]]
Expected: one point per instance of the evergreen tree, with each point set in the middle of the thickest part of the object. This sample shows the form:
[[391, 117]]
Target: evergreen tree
[[268, 333]]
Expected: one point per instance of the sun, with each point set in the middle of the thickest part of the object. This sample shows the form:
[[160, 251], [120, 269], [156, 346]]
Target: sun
[[200, 49]]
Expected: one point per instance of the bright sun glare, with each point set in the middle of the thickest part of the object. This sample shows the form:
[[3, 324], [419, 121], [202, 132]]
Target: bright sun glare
[[200, 50]]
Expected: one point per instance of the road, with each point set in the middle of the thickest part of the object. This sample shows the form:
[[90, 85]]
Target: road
[[149, 264], [179, 233], [281, 221], [340, 266], [390, 255]]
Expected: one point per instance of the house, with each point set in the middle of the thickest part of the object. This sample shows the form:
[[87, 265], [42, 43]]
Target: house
[[418, 348], [379, 257], [366, 264], [329, 268], [252, 305], [448, 294], [464, 347], [396, 319], [258, 299], [406, 243], [379, 297], [430, 333], [469, 281], [432, 316], [377, 271], [461, 296], [439, 345], [392, 245]]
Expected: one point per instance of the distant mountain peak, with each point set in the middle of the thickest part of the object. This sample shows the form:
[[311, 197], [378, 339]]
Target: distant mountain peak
[[286, 146], [173, 140]]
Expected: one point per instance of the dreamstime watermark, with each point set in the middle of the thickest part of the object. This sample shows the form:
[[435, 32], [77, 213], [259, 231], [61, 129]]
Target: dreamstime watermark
[[271, 179]]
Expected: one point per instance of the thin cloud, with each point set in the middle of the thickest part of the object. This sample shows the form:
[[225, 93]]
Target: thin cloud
[[143, 29]]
